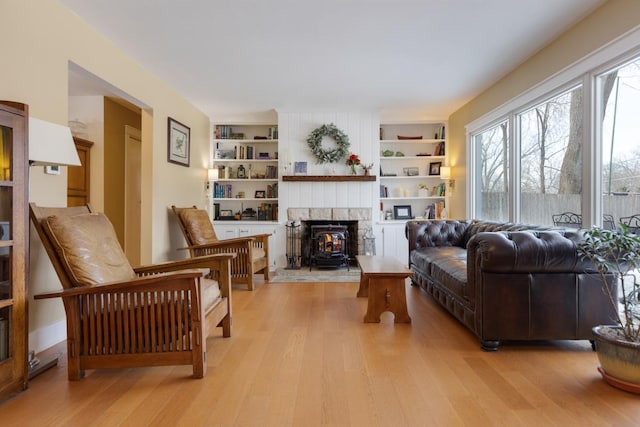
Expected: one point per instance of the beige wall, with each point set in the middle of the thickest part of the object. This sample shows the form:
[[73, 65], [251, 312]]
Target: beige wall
[[610, 21], [38, 42]]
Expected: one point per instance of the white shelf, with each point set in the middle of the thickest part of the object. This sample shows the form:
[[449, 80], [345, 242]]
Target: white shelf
[[411, 177], [247, 141], [421, 158], [414, 198], [411, 141], [245, 160], [247, 180], [243, 199]]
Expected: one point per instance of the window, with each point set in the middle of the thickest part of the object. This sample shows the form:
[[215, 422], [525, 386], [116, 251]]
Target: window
[[550, 140], [492, 146], [576, 151], [620, 94]]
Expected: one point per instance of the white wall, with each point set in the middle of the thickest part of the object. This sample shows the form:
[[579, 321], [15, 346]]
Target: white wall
[[294, 128]]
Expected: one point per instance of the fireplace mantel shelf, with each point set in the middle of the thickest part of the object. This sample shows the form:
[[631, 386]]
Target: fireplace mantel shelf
[[328, 178]]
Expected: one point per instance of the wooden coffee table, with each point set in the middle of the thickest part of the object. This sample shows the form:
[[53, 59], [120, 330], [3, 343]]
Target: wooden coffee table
[[382, 280]]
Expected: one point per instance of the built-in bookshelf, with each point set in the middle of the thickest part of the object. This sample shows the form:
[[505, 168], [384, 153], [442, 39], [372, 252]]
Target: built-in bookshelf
[[246, 159], [411, 155]]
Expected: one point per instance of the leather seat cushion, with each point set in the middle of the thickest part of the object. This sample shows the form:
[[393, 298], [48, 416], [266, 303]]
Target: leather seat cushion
[[198, 225], [88, 247], [446, 264], [257, 253], [210, 293]]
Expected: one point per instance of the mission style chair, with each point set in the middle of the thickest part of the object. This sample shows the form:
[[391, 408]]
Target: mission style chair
[[121, 317], [252, 251]]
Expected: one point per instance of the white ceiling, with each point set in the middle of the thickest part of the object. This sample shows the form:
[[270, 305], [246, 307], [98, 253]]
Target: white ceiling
[[230, 57]]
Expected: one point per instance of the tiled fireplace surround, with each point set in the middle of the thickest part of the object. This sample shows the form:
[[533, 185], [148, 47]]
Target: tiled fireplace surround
[[362, 215]]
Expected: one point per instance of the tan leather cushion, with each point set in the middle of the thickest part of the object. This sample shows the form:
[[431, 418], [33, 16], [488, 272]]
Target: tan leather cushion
[[198, 226], [210, 293], [88, 245], [257, 253]]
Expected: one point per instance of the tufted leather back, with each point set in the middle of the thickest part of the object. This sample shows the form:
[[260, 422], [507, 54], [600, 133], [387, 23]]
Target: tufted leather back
[[88, 248], [478, 226], [197, 226]]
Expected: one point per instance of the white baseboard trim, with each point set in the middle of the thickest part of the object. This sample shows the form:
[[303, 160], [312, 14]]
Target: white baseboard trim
[[48, 336]]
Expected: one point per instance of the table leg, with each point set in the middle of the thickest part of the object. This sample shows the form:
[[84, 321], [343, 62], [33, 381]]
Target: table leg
[[363, 290], [387, 294]]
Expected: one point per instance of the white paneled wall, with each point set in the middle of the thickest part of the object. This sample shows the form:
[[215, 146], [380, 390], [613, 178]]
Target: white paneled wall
[[362, 130]]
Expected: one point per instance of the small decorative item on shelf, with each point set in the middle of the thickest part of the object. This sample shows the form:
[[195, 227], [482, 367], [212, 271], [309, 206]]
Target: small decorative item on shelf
[[352, 161], [366, 168]]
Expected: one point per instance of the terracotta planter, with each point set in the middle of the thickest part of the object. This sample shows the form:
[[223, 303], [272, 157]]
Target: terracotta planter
[[619, 359]]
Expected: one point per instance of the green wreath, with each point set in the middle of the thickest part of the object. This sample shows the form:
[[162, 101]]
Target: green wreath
[[328, 156]]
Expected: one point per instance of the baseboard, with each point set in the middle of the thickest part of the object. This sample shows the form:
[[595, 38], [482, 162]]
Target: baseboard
[[48, 336]]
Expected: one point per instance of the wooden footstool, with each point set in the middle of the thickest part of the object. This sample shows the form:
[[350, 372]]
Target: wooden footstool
[[382, 280]]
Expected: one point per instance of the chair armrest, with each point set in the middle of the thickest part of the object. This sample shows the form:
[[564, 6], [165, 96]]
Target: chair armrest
[[211, 262], [226, 243], [219, 265], [164, 281]]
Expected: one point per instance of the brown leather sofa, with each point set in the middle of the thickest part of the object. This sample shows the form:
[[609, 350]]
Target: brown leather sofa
[[508, 281]]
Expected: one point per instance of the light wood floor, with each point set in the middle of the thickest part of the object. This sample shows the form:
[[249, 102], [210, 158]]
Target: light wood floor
[[300, 355]]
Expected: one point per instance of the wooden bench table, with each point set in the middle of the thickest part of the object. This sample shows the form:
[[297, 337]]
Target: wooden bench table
[[382, 280]]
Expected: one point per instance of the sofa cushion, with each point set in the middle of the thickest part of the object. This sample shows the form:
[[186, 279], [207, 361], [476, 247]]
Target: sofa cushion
[[426, 260], [89, 249], [198, 225]]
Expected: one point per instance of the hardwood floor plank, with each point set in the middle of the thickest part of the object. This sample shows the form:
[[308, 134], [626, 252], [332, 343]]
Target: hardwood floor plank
[[301, 355]]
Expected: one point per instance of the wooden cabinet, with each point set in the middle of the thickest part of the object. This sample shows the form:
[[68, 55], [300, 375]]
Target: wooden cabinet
[[230, 230], [246, 157], [14, 247], [78, 177], [411, 155]]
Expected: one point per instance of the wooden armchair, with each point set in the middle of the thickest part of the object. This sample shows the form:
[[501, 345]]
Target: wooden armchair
[[252, 251], [120, 317]]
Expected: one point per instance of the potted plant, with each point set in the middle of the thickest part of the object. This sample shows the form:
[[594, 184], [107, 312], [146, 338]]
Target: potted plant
[[617, 253]]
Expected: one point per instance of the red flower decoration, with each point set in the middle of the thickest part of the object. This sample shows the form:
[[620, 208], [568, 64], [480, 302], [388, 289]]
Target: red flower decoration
[[353, 160]]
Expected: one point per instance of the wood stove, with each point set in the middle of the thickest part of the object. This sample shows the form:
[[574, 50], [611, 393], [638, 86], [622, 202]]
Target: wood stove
[[329, 246]]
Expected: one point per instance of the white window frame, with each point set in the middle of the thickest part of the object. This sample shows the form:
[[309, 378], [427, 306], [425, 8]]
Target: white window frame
[[584, 71]]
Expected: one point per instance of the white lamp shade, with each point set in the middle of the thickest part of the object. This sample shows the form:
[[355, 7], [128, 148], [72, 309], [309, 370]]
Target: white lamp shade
[[51, 144], [445, 172]]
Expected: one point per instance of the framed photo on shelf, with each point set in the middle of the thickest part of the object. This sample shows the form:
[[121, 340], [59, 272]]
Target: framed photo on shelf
[[179, 142], [434, 168], [300, 168], [412, 171], [259, 194], [225, 154], [402, 212]]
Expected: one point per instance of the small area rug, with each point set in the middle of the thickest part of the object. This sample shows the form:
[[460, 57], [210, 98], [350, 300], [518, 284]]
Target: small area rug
[[304, 275]]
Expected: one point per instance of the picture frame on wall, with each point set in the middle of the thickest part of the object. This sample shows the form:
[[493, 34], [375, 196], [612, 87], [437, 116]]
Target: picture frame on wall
[[179, 143], [300, 168], [402, 212], [434, 168]]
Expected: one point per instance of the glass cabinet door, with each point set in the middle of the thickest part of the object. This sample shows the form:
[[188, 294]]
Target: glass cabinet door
[[13, 248]]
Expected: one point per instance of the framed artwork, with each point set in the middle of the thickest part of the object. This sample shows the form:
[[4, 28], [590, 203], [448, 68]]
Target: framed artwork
[[300, 168], [259, 194], [434, 168], [402, 212], [179, 143]]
